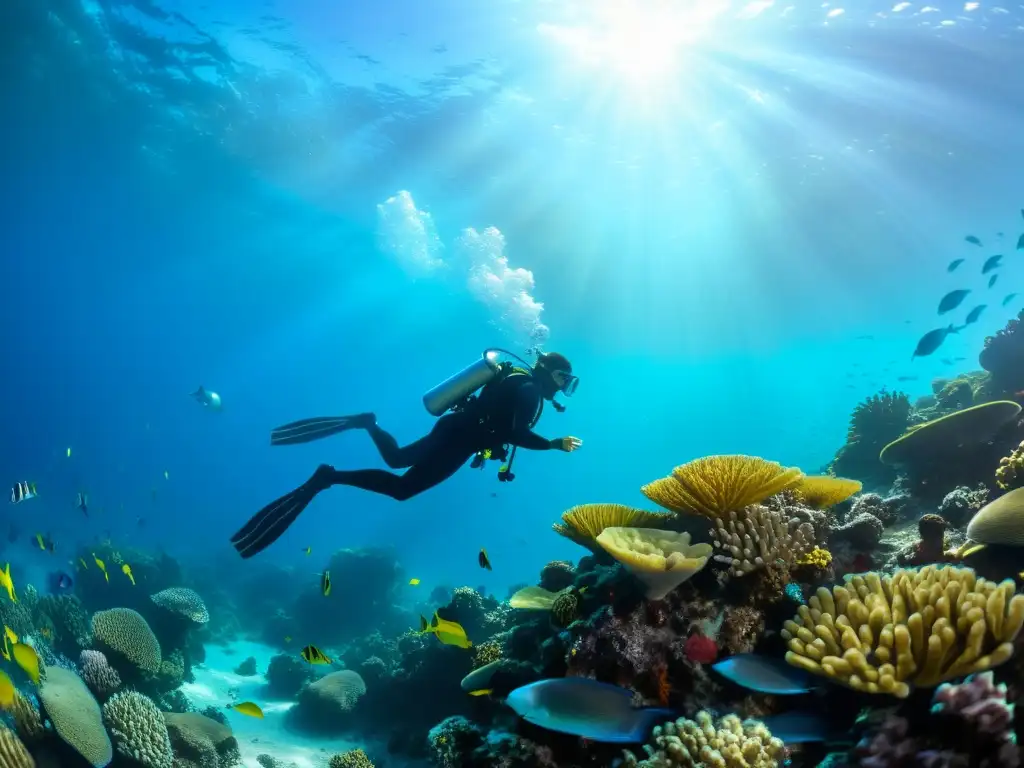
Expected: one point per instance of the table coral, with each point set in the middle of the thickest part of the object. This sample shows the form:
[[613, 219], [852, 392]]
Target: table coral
[[884, 634]]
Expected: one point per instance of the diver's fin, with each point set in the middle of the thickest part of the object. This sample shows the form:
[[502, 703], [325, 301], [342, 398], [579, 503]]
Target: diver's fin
[[267, 525], [318, 427]]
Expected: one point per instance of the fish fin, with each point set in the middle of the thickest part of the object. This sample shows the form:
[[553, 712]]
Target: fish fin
[[645, 721]]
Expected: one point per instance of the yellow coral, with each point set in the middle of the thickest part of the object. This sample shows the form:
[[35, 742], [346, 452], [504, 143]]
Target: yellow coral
[[486, 653], [1010, 471], [12, 752], [354, 758], [662, 560], [1000, 521], [731, 743], [817, 557], [824, 491], [715, 485], [884, 634], [584, 523]]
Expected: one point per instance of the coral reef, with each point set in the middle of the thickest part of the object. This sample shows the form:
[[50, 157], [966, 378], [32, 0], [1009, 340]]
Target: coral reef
[[874, 423], [247, 668], [754, 537], [354, 758], [201, 740], [959, 505], [884, 634], [138, 729], [1003, 356], [97, 673], [661, 560], [75, 715], [13, 753], [287, 674], [557, 575], [127, 634], [324, 703], [729, 743], [583, 524]]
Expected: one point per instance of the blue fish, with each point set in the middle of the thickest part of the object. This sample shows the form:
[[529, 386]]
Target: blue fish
[[794, 592], [60, 582], [803, 728], [764, 674], [586, 708]]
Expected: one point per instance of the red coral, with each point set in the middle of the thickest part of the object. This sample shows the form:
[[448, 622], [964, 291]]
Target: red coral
[[701, 649]]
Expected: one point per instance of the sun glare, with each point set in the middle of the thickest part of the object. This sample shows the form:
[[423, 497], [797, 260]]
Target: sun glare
[[639, 41]]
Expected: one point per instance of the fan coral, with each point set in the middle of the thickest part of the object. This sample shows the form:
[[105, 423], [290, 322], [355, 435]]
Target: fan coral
[[12, 752], [583, 524], [731, 743], [662, 560], [875, 422], [1000, 521], [715, 485], [97, 673], [75, 715], [126, 632], [824, 491], [758, 536], [882, 634], [183, 602], [924, 444], [138, 729], [354, 758]]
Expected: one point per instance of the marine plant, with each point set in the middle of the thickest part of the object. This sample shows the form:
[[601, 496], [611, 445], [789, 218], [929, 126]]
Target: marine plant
[[887, 634], [715, 485]]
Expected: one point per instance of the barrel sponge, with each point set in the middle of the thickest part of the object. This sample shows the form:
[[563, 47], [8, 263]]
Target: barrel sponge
[[183, 602], [584, 523], [138, 729], [125, 631], [701, 743], [1000, 521], [75, 715], [885, 634], [824, 491], [715, 485], [12, 752], [941, 437], [661, 560]]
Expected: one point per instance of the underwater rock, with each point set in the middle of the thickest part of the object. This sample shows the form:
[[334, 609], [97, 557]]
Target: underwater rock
[[959, 505], [862, 532], [247, 668], [287, 674], [888, 510], [557, 575]]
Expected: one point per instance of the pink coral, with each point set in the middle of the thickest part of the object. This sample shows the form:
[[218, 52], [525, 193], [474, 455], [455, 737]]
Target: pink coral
[[97, 673]]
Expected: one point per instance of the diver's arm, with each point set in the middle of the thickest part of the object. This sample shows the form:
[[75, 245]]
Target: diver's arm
[[527, 402]]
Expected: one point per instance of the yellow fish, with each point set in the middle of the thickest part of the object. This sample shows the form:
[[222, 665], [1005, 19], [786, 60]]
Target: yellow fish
[[448, 632], [307, 550], [482, 692], [325, 583], [7, 691], [85, 565], [250, 709], [25, 656], [9, 634], [6, 650], [314, 655], [7, 583], [971, 550], [413, 582], [69, 453], [102, 566], [127, 571]]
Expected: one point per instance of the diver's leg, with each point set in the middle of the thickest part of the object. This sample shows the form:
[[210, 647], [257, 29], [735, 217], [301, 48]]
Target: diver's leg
[[400, 457], [443, 462]]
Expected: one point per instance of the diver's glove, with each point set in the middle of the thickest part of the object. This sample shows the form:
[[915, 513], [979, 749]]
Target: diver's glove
[[567, 444]]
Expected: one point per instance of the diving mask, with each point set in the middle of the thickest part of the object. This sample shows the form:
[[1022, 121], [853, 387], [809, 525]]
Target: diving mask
[[566, 382]]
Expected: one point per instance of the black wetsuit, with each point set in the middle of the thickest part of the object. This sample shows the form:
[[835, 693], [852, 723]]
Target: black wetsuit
[[502, 416]]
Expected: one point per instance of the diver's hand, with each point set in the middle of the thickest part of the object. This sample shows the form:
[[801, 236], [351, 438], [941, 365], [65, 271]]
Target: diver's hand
[[568, 444]]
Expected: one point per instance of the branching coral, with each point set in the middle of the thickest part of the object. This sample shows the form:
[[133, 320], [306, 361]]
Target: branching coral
[[883, 634], [584, 523], [661, 560], [138, 729], [824, 491], [715, 485], [759, 536], [1010, 472], [730, 743], [486, 653]]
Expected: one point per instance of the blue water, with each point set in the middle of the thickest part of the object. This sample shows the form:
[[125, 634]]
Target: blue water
[[190, 196]]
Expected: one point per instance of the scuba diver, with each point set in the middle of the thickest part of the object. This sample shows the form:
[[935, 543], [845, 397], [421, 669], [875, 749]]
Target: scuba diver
[[489, 424]]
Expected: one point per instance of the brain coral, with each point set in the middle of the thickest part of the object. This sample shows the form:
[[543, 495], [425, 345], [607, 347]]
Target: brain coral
[[75, 715], [138, 729], [126, 632], [339, 690], [884, 634], [183, 602]]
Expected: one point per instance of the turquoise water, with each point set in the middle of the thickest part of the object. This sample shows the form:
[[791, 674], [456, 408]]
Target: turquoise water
[[705, 205]]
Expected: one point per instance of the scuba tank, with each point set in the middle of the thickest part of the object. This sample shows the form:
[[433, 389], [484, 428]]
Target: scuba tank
[[457, 388]]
